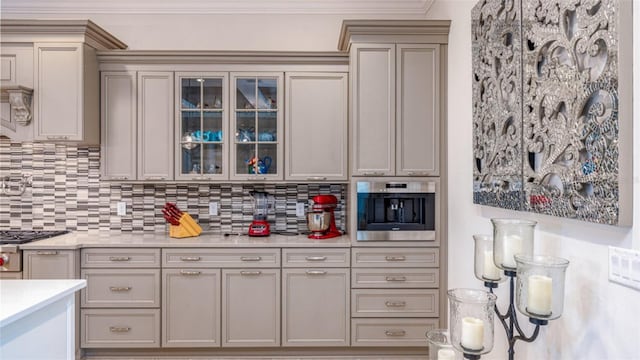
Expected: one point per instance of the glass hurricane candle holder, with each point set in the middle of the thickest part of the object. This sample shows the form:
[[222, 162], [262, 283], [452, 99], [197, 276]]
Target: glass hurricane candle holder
[[511, 237], [540, 287], [471, 321], [439, 345], [484, 267]]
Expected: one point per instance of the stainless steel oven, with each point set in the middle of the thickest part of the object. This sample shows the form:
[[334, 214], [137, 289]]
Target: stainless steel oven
[[396, 210]]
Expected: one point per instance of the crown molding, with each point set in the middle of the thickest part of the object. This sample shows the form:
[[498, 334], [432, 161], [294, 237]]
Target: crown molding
[[19, 30], [434, 31], [368, 7]]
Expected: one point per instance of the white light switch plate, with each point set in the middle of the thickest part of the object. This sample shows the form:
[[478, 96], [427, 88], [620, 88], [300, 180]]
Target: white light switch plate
[[121, 208], [624, 267], [213, 208], [300, 209]]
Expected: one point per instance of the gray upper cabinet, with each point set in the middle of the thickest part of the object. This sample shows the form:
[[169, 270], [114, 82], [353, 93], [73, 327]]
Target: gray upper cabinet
[[316, 126], [119, 125], [155, 125], [395, 109]]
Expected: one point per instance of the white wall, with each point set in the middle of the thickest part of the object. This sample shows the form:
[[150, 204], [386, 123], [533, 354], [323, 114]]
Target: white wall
[[601, 320]]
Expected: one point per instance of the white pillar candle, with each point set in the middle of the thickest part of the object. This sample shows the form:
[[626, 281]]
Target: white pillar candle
[[472, 336], [511, 246], [489, 270], [446, 354], [539, 295]]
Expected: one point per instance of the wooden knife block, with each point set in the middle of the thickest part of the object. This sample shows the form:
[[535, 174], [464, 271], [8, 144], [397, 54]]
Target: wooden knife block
[[187, 228]]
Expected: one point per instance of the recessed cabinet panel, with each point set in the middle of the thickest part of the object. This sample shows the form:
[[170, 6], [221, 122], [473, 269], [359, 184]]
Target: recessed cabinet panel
[[373, 111], [257, 120], [250, 307], [202, 121], [119, 122], [417, 110], [316, 126], [190, 307], [50, 264], [155, 126]]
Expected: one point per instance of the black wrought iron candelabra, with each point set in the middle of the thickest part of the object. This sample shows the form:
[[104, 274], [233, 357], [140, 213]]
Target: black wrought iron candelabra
[[509, 320]]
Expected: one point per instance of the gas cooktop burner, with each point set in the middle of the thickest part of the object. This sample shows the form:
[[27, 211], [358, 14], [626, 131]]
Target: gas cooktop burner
[[25, 236]]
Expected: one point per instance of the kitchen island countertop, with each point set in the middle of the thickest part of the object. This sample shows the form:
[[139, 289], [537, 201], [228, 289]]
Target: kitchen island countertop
[[77, 240]]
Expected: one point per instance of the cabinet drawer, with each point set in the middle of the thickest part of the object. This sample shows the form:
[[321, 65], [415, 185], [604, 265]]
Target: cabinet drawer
[[227, 258], [394, 303], [120, 328], [395, 257], [390, 332], [121, 288], [394, 278], [315, 258], [121, 257]]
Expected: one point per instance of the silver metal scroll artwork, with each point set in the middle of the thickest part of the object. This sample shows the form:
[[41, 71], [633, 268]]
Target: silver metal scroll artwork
[[545, 112]]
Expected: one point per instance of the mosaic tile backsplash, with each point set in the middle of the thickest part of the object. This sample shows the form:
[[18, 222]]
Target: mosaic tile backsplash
[[67, 193]]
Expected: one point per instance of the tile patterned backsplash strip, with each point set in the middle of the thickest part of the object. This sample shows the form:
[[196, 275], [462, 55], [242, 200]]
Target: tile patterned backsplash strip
[[67, 194]]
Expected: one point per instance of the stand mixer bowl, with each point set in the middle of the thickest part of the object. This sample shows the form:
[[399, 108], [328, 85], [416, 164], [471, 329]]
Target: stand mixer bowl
[[318, 221]]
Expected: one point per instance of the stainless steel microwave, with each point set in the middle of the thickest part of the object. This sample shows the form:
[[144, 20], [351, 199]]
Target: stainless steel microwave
[[396, 210]]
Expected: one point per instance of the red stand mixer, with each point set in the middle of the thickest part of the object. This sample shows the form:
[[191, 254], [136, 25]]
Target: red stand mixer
[[321, 218]]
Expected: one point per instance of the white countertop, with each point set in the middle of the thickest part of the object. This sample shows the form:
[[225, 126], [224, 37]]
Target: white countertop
[[19, 298], [77, 240]]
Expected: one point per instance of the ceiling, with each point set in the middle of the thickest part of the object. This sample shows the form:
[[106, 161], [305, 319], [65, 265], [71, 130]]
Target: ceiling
[[347, 7]]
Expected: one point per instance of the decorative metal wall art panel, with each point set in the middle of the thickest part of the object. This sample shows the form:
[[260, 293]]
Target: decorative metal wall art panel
[[546, 107], [497, 108]]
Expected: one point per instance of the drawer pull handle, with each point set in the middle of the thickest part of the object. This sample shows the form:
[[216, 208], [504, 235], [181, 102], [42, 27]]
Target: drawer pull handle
[[316, 272], [416, 173], [57, 137], [119, 258], [395, 332], [190, 258], [316, 178], [119, 178], [395, 258], [396, 278], [155, 178], [47, 252], [119, 288], [373, 173], [316, 258], [251, 258], [253, 273], [189, 272], [395, 303], [119, 329]]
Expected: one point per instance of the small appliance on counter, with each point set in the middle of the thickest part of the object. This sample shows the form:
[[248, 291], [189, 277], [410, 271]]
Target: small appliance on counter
[[262, 203], [181, 224], [321, 218]]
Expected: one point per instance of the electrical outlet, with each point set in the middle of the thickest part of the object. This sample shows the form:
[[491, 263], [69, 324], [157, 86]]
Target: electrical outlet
[[213, 208], [624, 267], [122, 208], [300, 209]]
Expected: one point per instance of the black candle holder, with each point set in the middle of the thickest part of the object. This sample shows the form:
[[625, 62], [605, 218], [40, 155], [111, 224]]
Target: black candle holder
[[509, 319]]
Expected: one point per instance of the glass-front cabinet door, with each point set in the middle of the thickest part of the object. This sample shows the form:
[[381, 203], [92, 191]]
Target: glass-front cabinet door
[[202, 122], [257, 123]]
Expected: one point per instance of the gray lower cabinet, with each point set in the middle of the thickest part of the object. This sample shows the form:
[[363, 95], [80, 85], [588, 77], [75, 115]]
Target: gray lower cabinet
[[250, 307], [191, 307], [121, 303], [50, 264], [316, 307]]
